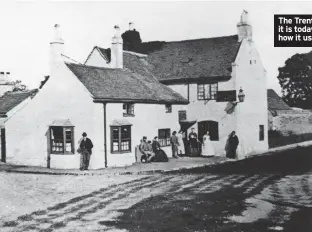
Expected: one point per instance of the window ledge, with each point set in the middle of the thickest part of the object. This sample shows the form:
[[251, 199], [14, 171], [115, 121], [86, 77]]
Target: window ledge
[[65, 153], [128, 115], [121, 152]]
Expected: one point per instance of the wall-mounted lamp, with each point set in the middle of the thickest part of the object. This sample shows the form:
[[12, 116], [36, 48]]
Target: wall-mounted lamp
[[241, 95]]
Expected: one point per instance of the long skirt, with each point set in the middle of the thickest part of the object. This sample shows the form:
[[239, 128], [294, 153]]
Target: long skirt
[[181, 147], [207, 149]]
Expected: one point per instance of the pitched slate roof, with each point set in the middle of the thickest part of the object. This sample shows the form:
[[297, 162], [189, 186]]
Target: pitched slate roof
[[200, 58], [11, 99], [123, 85], [275, 102], [189, 59]]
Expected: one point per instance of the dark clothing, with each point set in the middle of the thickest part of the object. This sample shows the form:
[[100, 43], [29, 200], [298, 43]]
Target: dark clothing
[[160, 156], [86, 145], [86, 151], [193, 140], [155, 146], [232, 144], [174, 145], [85, 160]]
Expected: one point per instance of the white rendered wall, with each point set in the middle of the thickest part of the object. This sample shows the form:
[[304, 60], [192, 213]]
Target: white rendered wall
[[211, 110], [251, 76], [63, 97], [146, 122]]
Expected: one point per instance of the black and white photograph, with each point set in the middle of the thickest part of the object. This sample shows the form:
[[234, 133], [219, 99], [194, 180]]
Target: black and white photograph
[[155, 116]]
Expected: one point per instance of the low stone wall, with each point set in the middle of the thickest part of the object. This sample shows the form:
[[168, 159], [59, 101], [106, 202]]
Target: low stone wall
[[296, 123]]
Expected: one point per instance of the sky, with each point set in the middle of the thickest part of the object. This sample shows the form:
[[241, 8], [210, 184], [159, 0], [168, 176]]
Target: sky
[[27, 29]]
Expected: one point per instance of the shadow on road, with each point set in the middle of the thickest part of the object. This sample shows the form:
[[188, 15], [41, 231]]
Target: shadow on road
[[295, 161]]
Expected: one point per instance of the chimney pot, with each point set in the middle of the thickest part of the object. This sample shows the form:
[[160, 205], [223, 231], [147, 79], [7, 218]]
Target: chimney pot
[[244, 28]]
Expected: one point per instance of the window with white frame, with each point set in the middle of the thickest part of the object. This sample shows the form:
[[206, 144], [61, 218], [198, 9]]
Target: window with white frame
[[128, 109], [207, 91], [120, 139]]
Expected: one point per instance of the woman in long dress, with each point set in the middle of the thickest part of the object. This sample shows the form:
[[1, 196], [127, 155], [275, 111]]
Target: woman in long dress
[[181, 148], [207, 148]]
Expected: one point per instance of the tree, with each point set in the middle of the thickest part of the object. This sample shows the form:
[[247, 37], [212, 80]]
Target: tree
[[295, 79], [19, 86]]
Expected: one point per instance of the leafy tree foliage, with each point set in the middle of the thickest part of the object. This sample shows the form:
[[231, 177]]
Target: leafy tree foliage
[[295, 79], [19, 86]]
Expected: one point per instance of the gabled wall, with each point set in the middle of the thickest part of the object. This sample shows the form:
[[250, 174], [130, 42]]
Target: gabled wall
[[62, 97], [247, 116], [251, 76], [96, 59]]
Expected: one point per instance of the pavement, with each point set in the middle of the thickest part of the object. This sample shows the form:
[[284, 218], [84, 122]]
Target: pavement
[[174, 165]]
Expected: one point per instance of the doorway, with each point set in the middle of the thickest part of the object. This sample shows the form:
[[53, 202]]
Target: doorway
[[212, 127]]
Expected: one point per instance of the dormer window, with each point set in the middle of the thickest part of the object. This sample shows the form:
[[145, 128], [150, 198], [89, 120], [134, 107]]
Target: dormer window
[[168, 108], [128, 109], [207, 91]]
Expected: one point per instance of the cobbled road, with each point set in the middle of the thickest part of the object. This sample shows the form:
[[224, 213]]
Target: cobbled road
[[271, 194]]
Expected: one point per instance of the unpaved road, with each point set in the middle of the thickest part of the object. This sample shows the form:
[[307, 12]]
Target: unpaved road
[[274, 195]]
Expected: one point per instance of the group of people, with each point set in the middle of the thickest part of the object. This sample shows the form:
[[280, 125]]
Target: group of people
[[152, 151], [207, 149]]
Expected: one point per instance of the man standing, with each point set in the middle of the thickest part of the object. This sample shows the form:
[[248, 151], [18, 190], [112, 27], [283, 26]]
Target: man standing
[[86, 151], [193, 142], [174, 144], [231, 145]]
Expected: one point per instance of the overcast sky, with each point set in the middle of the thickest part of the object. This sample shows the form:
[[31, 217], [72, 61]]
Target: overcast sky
[[27, 29]]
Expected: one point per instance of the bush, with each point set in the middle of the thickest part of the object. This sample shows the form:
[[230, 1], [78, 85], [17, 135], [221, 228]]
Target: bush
[[277, 139]]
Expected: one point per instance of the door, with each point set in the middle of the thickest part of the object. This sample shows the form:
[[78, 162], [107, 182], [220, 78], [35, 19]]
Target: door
[[3, 146], [211, 126]]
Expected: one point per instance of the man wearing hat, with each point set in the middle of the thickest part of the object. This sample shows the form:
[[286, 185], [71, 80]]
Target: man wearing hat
[[86, 151]]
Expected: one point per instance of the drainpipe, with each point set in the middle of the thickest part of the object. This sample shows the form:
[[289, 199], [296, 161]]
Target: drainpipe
[[105, 139], [188, 91]]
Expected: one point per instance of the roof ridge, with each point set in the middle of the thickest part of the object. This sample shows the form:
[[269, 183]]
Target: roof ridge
[[186, 40], [91, 66], [135, 53]]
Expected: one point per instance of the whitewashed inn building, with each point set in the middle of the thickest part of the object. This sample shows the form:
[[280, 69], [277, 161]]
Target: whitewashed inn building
[[140, 89]]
